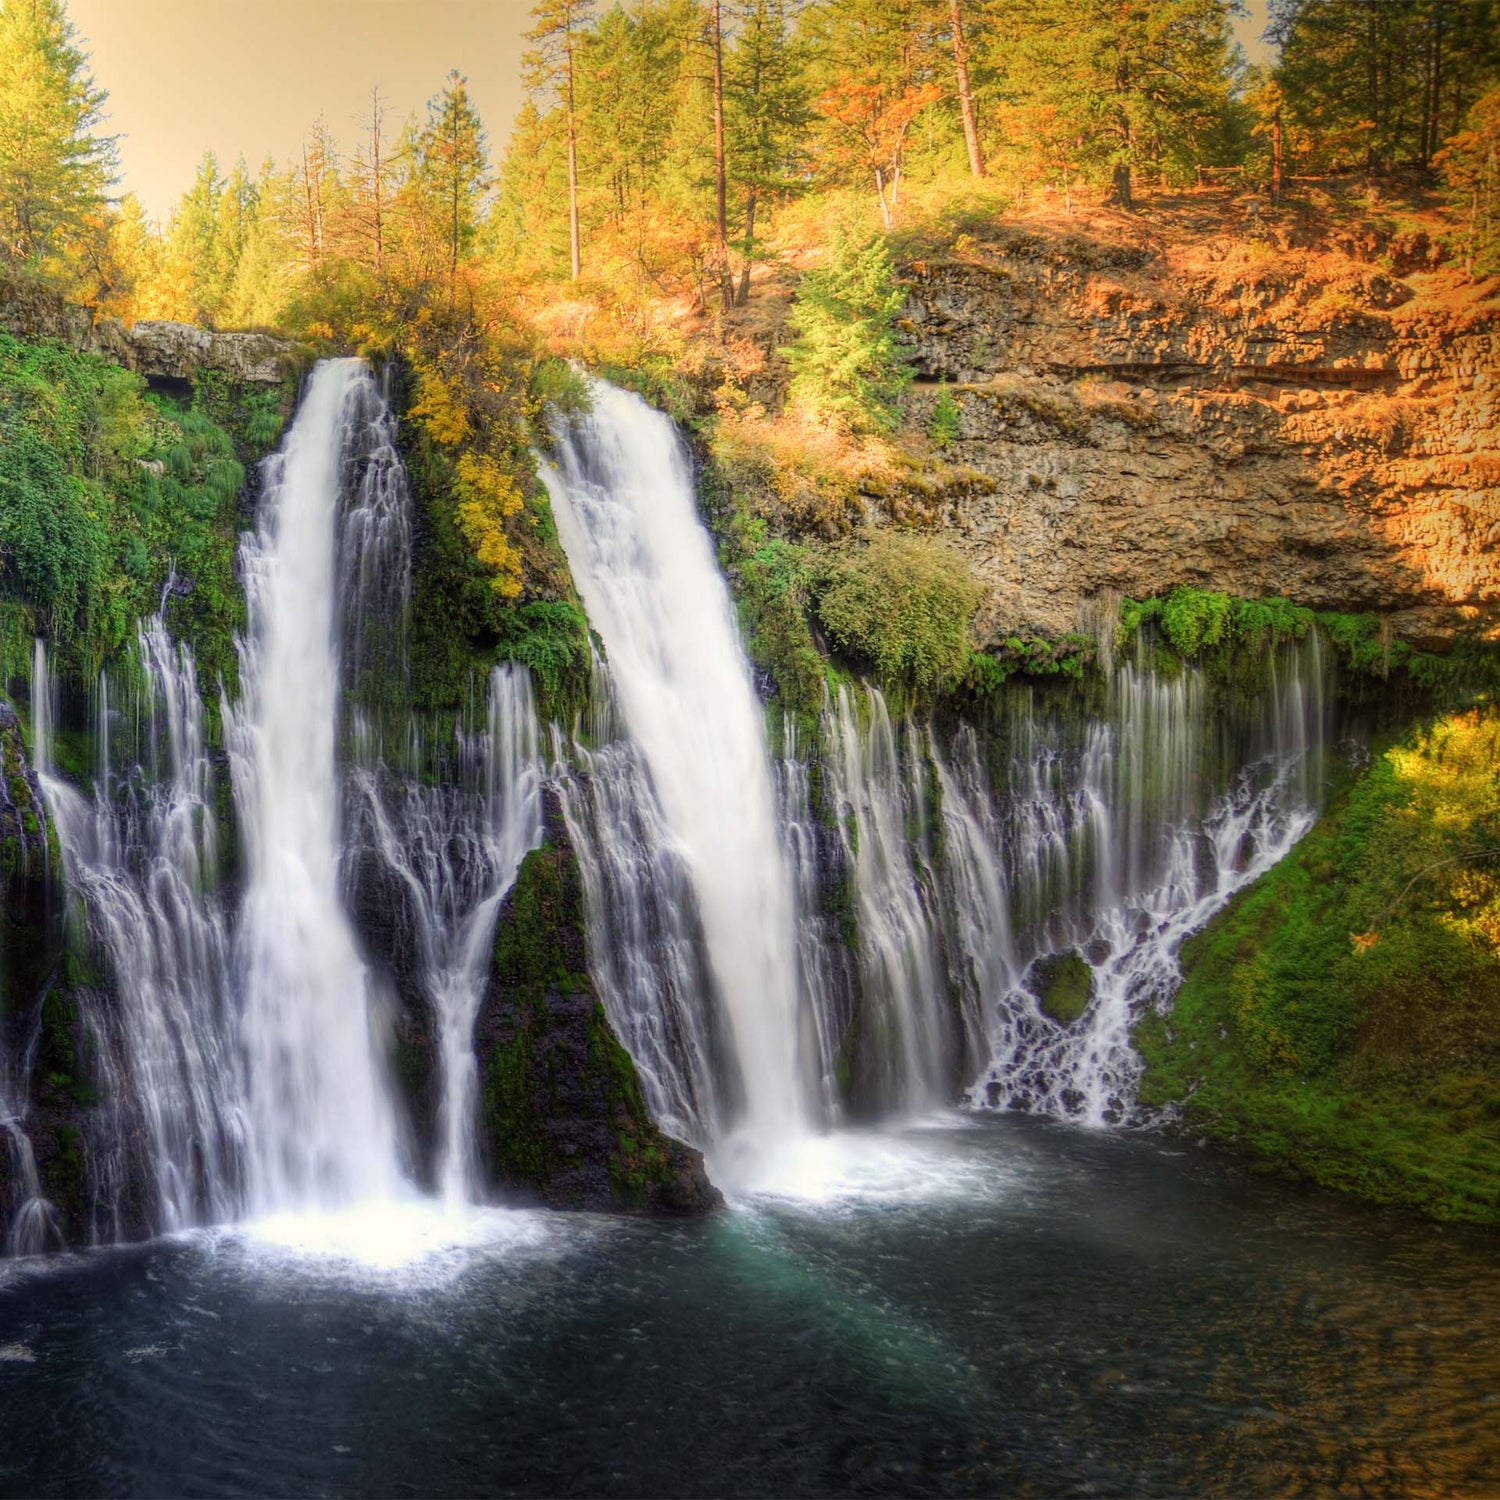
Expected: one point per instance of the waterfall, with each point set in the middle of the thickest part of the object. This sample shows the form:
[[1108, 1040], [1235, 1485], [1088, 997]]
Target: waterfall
[[1122, 850], [321, 1123], [141, 854], [622, 491], [882, 801], [456, 849]]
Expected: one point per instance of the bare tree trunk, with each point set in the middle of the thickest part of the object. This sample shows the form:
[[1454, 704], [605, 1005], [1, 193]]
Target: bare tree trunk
[[721, 174], [377, 170], [965, 94], [574, 247], [1278, 179], [744, 293]]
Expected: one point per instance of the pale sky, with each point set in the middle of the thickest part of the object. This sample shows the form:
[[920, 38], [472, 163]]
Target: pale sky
[[248, 77]]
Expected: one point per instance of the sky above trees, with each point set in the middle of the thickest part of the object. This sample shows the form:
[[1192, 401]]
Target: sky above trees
[[248, 79]]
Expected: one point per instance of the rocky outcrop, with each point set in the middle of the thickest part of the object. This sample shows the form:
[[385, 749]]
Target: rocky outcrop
[[1140, 412], [160, 351], [565, 1123]]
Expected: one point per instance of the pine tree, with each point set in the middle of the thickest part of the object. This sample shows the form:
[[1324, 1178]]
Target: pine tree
[[845, 360], [453, 168], [55, 167], [559, 27], [768, 116]]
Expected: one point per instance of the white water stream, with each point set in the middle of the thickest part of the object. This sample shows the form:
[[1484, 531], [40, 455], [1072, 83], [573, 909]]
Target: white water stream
[[622, 491]]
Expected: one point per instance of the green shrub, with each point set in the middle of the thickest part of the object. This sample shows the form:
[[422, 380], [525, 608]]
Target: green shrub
[[947, 424], [904, 605]]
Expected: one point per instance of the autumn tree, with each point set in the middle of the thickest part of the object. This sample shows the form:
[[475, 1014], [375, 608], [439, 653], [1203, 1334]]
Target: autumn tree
[[55, 165]]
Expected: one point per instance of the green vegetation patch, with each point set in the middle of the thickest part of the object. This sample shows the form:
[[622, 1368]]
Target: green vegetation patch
[[1341, 1019], [106, 489], [1063, 984]]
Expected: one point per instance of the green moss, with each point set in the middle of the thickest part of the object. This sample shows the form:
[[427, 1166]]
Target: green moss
[[104, 487], [1063, 984], [1341, 1019]]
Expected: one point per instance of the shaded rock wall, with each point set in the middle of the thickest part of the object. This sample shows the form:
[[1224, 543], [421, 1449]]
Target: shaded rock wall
[[160, 351]]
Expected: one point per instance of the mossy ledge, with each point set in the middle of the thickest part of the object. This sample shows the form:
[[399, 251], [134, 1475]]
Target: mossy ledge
[[564, 1119]]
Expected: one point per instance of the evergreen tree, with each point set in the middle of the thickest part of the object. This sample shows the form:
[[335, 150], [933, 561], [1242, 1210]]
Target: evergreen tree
[[1384, 80], [845, 359], [55, 167], [1471, 168], [453, 168], [768, 116], [549, 68], [1139, 84]]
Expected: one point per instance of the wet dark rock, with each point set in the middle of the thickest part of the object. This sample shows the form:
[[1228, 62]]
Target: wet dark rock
[[564, 1121]]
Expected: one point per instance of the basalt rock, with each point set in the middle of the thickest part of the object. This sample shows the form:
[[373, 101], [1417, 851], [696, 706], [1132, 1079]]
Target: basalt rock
[[1303, 423], [173, 353], [565, 1122]]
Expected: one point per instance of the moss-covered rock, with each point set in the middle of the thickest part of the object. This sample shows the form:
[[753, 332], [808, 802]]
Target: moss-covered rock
[[565, 1121], [1340, 1020], [1063, 984]]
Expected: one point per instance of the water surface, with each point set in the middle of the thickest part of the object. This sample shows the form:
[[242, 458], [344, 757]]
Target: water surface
[[1000, 1305]]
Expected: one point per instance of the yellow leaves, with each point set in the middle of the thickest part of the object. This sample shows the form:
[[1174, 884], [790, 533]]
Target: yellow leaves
[[1363, 942], [487, 494], [441, 409]]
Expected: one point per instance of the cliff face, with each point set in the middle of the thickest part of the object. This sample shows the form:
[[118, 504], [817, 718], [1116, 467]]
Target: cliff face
[[160, 351], [1141, 410]]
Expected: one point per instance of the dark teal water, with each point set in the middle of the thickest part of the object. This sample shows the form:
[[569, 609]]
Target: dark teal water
[[1002, 1307]]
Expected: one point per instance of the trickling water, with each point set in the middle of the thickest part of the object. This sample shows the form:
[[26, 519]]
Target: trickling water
[[321, 1129], [623, 496], [1159, 829], [881, 799], [141, 853], [456, 849]]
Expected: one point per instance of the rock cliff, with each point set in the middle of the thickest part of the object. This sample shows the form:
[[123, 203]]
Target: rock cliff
[[1142, 408], [159, 351]]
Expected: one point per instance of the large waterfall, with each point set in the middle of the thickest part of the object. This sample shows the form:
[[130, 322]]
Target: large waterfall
[[322, 1126], [623, 495], [240, 1052], [879, 950], [855, 924]]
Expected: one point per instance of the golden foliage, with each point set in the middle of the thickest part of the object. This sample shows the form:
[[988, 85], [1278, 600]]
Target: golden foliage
[[440, 408], [486, 497]]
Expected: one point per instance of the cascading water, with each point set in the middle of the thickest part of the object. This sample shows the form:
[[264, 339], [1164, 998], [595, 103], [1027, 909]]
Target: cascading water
[[321, 1122], [881, 797], [623, 496], [141, 854], [456, 849], [1124, 857]]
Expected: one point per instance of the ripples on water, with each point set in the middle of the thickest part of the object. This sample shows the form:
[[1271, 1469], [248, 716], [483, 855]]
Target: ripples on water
[[1007, 1305]]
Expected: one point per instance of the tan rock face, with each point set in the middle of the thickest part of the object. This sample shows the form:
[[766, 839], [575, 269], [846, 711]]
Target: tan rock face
[[170, 351], [1266, 423]]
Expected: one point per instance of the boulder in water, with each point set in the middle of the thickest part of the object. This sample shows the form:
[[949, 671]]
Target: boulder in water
[[1063, 984]]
